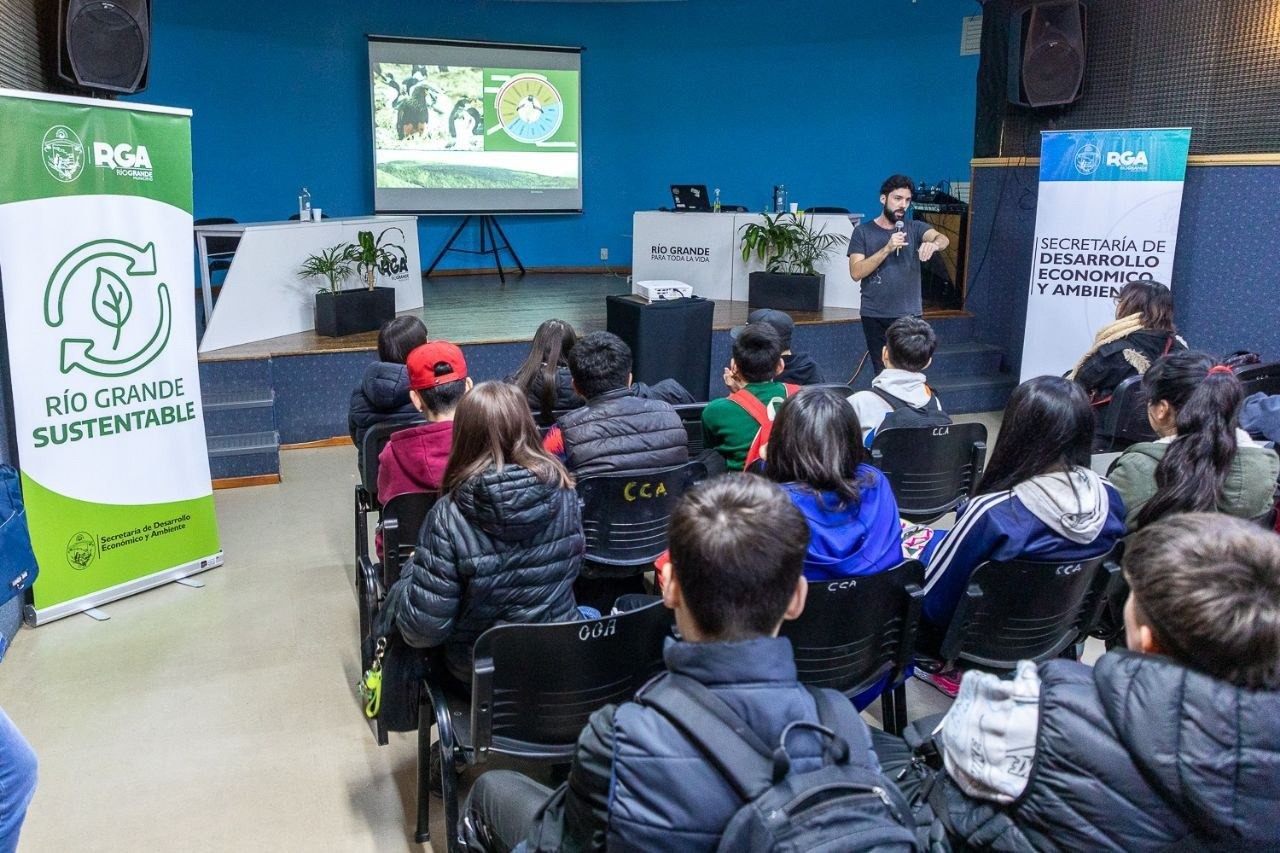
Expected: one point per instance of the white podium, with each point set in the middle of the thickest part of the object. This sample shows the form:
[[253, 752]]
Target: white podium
[[704, 250], [262, 296]]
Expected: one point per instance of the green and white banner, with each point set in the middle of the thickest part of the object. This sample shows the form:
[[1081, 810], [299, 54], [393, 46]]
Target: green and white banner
[[95, 264]]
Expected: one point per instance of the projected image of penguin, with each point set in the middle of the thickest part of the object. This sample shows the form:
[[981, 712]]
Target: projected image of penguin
[[529, 109], [466, 126]]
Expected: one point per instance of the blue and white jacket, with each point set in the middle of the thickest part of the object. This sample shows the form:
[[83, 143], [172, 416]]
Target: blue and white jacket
[[850, 540], [1061, 516]]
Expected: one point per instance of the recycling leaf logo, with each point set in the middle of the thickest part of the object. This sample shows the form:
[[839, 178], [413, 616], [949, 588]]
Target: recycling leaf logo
[[113, 275]]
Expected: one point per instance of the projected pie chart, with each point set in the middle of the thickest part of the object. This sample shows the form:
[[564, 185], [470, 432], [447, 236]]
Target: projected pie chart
[[529, 108]]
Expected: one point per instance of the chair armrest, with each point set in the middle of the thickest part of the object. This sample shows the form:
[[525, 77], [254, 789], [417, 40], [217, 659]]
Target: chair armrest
[[910, 627], [482, 707], [953, 642], [362, 522], [977, 463]]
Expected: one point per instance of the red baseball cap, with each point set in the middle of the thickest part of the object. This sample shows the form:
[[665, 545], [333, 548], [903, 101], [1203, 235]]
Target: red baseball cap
[[422, 363]]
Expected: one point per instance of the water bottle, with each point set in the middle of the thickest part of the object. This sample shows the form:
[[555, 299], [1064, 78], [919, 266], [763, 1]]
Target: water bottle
[[779, 198], [304, 205], [715, 206]]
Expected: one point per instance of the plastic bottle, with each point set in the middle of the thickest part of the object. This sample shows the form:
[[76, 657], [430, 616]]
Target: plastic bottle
[[304, 205], [779, 198], [715, 206]]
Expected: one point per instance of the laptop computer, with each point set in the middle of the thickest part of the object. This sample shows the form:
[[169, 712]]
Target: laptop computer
[[690, 197]]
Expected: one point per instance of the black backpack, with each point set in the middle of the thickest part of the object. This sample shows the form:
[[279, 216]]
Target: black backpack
[[906, 415], [846, 804]]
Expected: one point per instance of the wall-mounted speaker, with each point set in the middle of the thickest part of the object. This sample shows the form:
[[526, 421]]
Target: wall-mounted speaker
[[1047, 53], [104, 44]]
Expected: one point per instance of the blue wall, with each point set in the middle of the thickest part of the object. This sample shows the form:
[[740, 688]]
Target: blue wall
[[827, 97], [1224, 275]]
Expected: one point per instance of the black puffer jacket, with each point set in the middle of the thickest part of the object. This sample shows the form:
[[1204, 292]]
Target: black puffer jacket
[[383, 395], [504, 547], [1115, 362], [1140, 753], [619, 431]]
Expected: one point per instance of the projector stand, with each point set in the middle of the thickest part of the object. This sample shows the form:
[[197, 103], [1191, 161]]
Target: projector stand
[[489, 245]]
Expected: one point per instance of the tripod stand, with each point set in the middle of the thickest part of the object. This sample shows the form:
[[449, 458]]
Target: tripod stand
[[490, 233]]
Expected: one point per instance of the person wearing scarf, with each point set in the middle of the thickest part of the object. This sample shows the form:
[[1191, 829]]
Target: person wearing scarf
[[1142, 332]]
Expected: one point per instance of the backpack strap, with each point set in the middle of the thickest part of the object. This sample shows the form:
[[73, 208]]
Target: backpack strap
[[896, 403], [893, 401], [752, 404], [718, 733], [791, 388]]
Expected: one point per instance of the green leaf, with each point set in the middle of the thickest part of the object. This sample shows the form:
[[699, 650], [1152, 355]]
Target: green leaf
[[112, 302]]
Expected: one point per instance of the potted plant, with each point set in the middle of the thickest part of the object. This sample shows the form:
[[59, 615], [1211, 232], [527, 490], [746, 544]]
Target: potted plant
[[790, 247], [345, 312]]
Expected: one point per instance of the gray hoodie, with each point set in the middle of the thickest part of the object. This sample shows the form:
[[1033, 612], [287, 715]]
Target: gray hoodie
[[1074, 504], [871, 408]]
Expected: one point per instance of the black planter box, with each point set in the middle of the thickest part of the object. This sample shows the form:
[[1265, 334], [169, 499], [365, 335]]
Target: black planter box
[[349, 311], [785, 291]]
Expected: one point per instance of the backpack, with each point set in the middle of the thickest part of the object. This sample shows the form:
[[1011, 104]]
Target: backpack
[[752, 405], [906, 415], [17, 561], [846, 804]]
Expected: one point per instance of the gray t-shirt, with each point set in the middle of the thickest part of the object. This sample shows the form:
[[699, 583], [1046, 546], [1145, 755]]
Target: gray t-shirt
[[893, 290]]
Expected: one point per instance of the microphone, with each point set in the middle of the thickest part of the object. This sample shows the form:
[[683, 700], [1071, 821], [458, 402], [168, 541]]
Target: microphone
[[899, 227]]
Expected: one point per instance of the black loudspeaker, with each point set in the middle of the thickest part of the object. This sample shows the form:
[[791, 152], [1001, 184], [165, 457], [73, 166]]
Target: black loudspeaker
[[668, 339], [105, 44], [1047, 53]]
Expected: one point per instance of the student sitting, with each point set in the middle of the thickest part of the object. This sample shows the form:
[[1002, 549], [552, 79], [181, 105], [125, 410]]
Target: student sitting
[[1169, 745], [1202, 461], [733, 424], [1037, 500], [1142, 332], [383, 394], [899, 396], [414, 459], [637, 783], [815, 451], [503, 543], [797, 367], [544, 377], [616, 430]]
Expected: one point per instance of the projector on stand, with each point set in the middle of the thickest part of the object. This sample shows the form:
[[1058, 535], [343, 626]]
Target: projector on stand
[[660, 289]]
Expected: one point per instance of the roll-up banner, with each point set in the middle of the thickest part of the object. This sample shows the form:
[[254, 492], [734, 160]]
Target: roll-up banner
[[95, 264], [1107, 214]]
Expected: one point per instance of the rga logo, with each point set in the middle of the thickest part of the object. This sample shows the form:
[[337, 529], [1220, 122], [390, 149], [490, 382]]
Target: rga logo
[[1128, 161], [63, 153], [1088, 158], [125, 159]]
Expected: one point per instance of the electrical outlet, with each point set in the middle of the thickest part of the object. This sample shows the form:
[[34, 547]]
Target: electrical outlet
[[604, 254]]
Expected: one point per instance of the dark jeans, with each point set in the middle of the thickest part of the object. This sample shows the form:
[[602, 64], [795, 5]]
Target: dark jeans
[[500, 810]]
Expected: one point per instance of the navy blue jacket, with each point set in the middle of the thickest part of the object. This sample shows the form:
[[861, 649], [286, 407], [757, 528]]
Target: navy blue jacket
[[383, 395]]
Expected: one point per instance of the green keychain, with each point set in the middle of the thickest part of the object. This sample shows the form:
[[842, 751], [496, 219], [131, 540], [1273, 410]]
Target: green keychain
[[370, 686]]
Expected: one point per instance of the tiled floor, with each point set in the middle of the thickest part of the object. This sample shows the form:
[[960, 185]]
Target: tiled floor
[[224, 718]]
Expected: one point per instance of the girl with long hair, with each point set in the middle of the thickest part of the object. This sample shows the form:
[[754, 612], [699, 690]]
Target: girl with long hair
[[544, 376], [503, 543], [1142, 332], [1037, 500], [1203, 461], [815, 452]]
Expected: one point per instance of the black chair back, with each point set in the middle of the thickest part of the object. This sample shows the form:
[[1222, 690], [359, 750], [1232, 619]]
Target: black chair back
[[534, 686], [219, 247], [930, 468], [625, 516], [376, 438], [1027, 610], [855, 630], [402, 519], [691, 417], [826, 210], [1260, 378], [1123, 421]]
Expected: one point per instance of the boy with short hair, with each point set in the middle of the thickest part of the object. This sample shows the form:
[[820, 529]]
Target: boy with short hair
[[732, 424], [899, 395], [637, 783], [797, 367], [1172, 743], [414, 459]]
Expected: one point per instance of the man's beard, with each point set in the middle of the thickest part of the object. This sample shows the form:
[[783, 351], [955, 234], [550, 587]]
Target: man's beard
[[892, 216]]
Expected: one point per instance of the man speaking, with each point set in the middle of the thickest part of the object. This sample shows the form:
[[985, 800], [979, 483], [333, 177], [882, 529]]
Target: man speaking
[[885, 255]]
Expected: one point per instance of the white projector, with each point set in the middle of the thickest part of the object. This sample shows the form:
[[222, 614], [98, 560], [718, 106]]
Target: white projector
[[660, 289]]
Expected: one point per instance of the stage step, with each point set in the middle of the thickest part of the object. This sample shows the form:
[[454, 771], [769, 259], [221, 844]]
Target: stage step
[[244, 454], [966, 394], [238, 411]]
